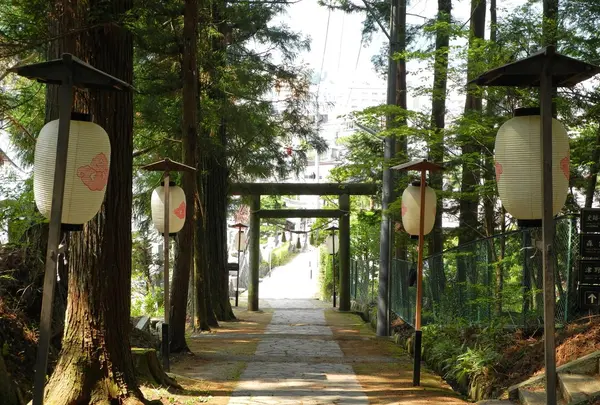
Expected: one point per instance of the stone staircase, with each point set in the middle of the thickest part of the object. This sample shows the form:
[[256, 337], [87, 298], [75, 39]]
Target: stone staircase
[[578, 383]]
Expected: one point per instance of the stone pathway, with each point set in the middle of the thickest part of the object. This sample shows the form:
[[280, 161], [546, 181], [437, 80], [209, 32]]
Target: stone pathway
[[307, 366]]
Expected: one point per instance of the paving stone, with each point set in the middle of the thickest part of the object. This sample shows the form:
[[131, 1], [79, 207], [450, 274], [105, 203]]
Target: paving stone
[[292, 382]]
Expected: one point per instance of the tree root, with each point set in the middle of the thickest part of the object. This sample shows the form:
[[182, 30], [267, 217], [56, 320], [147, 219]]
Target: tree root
[[149, 369]]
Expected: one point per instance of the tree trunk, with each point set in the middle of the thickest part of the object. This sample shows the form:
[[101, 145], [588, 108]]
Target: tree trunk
[[215, 174], [490, 200], [436, 144], [95, 364], [401, 151], [470, 152], [201, 318], [216, 222], [181, 274]]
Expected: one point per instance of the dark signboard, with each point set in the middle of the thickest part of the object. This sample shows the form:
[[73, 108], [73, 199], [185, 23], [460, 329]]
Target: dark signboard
[[589, 272], [232, 267], [590, 297], [590, 220], [589, 245]]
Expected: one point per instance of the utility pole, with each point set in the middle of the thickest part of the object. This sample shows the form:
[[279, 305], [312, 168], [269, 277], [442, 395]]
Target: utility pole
[[387, 232]]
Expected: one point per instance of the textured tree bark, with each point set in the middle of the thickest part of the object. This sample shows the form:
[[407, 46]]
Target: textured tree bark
[[213, 192], [436, 145], [181, 273], [95, 364], [401, 142], [201, 318], [216, 223], [469, 196]]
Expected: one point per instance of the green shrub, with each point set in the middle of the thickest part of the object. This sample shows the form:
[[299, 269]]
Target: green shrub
[[326, 274]]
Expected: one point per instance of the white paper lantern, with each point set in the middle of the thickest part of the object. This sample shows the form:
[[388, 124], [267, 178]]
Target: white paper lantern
[[411, 209], [519, 165], [176, 207], [240, 240], [333, 244], [88, 163]]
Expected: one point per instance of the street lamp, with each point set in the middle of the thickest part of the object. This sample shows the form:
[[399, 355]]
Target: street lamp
[[418, 218], [238, 242], [333, 245], [68, 186], [167, 221], [545, 69]]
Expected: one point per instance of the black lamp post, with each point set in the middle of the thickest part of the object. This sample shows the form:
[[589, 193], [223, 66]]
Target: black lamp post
[[67, 72], [240, 227], [545, 69], [332, 249]]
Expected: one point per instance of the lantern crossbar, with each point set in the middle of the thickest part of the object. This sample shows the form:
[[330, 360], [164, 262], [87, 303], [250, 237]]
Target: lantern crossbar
[[301, 213], [83, 74], [302, 189]]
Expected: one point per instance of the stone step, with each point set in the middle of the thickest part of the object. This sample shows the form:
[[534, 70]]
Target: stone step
[[578, 388], [527, 397]]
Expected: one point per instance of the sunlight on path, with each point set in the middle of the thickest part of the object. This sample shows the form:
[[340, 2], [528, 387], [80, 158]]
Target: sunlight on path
[[297, 329], [293, 280]]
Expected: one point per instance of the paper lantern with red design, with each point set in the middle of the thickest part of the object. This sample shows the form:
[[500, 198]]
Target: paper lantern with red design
[[411, 209], [519, 166], [88, 162], [176, 208]]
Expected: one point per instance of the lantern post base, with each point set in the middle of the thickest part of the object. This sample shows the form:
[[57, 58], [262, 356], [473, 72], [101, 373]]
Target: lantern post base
[[165, 346], [417, 364]]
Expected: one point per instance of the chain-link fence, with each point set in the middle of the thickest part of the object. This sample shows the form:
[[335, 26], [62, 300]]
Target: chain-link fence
[[363, 281], [496, 279]]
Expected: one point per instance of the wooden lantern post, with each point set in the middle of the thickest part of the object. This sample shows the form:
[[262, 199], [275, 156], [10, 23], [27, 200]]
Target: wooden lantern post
[[167, 166], [66, 72], [545, 69], [423, 166]]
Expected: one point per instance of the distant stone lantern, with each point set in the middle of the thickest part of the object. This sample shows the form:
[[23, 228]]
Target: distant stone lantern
[[519, 166]]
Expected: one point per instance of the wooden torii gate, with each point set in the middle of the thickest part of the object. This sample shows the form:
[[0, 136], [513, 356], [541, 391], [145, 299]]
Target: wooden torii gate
[[343, 191]]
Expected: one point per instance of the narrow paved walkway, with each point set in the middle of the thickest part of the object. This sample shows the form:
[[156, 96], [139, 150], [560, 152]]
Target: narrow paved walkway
[[298, 362]]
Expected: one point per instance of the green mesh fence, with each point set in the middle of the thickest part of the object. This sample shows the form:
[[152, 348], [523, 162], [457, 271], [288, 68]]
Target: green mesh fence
[[363, 281], [496, 279]]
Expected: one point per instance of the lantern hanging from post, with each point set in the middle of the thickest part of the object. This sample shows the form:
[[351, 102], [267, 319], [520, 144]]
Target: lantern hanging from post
[[519, 166], [176, 205], [88, 163], [333, 244], [411, 209]]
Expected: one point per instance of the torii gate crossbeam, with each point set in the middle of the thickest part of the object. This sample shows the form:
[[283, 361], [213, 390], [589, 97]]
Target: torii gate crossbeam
[[343, 191]]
